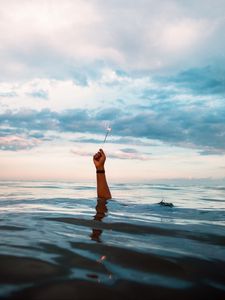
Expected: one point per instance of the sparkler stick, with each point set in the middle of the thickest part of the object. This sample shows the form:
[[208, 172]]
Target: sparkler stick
[[108, 129]]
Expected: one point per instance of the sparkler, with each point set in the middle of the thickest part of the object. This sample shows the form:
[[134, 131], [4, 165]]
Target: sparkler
[[108, 129]]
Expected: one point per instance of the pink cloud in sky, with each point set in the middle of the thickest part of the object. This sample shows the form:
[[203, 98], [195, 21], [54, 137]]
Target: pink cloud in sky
[[119, 154], [15, 143]]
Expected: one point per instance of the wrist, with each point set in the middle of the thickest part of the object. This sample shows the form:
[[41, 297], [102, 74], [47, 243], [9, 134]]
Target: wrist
[[100, 170]]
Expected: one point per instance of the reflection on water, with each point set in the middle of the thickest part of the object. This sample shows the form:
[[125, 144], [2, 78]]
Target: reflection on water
[[101, 210], [52, 247]]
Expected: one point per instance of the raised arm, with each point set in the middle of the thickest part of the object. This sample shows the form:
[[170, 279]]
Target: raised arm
[[103, 191]]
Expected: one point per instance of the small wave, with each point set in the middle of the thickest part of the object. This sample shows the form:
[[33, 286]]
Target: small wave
[[43, 187], [140, 229], [11, 228], [212, 199]]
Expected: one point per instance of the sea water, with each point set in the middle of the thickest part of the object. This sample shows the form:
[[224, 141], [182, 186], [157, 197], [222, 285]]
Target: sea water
[[59, 242]]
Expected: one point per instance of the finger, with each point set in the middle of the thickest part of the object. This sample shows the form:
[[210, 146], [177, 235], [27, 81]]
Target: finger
[[101, 151], [95, 157]]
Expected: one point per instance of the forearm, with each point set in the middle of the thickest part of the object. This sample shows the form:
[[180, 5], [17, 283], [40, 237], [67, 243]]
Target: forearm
[[103, 191]]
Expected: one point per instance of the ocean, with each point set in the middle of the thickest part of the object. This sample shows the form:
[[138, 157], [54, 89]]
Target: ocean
[[59, 242]]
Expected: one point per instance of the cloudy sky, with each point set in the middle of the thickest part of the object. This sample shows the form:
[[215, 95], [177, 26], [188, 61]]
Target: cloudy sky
[[152, 70]]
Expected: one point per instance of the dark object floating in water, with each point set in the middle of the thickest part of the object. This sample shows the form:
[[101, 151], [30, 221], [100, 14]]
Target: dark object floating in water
[[94, 276], [163, 203]]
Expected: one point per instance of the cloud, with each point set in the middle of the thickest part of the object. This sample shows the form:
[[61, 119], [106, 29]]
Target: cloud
[[109, 113], [193, 127], [129, 154], [201, 81], [8, 94], [209, 151], [182, 120], [76, 39], [16, 143], [42, 94], [119, 154], [117, 141], [129, 150]]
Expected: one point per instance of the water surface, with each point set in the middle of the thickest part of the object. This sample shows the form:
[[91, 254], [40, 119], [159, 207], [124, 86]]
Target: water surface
[[59, 242]]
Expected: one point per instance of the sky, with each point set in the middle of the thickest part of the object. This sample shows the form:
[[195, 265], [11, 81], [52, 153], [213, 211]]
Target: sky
[[154, 71]]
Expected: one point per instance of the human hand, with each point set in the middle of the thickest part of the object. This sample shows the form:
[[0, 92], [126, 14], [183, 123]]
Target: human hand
[[99, 159]]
